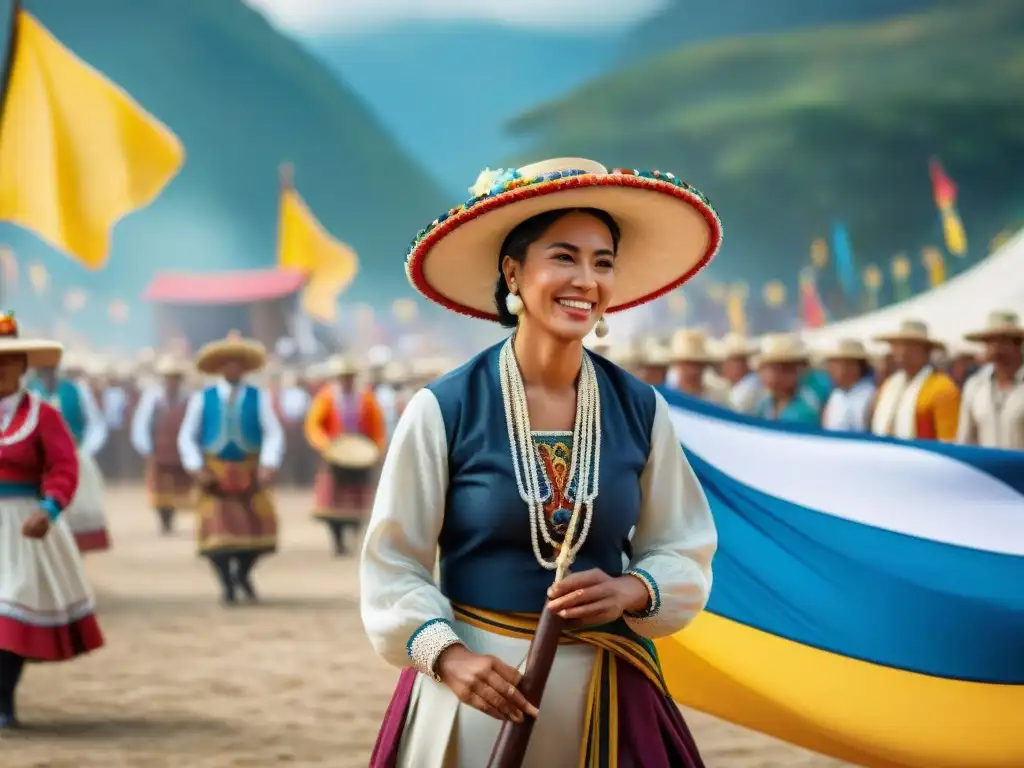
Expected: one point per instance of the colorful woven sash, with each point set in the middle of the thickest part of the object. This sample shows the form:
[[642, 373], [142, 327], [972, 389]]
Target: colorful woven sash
[[615, 643]]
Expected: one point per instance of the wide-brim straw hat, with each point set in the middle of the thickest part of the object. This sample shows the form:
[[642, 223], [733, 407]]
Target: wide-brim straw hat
[[691, 346], [734, 345], [169, 365], [846, 349], [251, 354], [781, 348], [40, 353], [339, 365], [912, 331], [1001, 324], [669, 231]]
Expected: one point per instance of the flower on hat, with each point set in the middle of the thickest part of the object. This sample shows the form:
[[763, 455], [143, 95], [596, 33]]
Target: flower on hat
[[492, 181]]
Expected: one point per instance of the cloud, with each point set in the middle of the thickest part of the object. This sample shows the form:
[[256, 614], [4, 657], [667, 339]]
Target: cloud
[[316, 18]]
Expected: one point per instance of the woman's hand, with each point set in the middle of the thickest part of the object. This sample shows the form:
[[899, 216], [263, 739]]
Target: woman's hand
[[484, 682], [592, 597], [36, 525]]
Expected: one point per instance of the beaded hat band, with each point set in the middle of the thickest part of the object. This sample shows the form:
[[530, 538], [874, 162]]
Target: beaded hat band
[[669, 231], [41, 353]]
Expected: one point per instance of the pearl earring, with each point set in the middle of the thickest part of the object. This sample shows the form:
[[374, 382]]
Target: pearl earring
[[601, 329], [514, 304]]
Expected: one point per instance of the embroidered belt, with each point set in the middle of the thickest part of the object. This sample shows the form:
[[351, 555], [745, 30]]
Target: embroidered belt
[[615, 643]]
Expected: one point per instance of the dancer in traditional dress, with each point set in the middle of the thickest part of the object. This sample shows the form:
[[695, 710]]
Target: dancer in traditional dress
[[992, 408], [849, 406], [692, 362], [155, 427], [343, 488], [780, 365], [232, 443], [497, 461], [86, 516], [916, 402], [46, 606]]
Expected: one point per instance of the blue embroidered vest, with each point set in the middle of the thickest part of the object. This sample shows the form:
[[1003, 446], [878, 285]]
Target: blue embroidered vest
[[67, 399], [487, 559], [231, 434]]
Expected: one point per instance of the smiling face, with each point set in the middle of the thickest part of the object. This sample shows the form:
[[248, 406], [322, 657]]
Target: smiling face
[[567, 276]]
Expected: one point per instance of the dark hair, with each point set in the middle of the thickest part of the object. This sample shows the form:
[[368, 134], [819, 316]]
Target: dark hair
[[526, 234]]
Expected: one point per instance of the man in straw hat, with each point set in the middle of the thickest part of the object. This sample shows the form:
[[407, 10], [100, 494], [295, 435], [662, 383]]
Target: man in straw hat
[[46, 606], [154, 433], [69, 393], [232, 443], [916, 402], [992, 411], [780, 364], [746, 391], [692, 361], [848, 408], [652, 362], [343, 487]]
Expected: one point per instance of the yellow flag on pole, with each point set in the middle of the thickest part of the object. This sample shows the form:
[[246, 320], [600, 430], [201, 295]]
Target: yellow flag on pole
[[76, 152], [304, 245]]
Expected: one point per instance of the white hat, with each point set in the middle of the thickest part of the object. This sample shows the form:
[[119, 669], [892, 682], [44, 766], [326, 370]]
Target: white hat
[[339, 365], [736, 345], [846, 349], [168, 365], [40, 353], [781, 348], [669, 231], [690, 346], [911, 330], [1001, 324]]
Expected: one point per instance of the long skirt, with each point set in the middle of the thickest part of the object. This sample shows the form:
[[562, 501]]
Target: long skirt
[[237, 520], [342, 494], [593, 699], [85, 515], [170, 486], [46, 606]]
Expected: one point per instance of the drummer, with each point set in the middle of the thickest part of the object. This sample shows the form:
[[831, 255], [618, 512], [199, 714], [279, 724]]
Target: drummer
[[232, 443], [343, 487]]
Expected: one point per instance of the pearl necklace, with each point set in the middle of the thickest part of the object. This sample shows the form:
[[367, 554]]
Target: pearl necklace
[[585, 462]]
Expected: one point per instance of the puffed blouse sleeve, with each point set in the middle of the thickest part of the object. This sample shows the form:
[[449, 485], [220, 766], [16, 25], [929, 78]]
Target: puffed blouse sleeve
[[408, 619], [675, 536]]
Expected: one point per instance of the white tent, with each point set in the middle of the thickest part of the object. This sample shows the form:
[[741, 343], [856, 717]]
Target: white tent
[[950, 310]]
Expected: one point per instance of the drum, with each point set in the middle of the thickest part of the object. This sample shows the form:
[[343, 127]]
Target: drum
[[351, 457]]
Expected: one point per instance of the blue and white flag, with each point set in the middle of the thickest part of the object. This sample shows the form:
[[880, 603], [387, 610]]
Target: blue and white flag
[[868, 598]]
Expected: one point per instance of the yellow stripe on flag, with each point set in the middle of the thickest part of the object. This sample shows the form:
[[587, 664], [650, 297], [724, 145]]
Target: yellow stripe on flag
[[304, 245], [77, 153]]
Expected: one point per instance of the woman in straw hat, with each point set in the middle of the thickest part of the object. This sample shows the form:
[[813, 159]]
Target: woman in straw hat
[[343, 487], [533, 456], [992, 410], [692, 362], [154, 432], [232, 444], [69, 393], [780, 365], [848, 408], [46, 606], [916, 402]]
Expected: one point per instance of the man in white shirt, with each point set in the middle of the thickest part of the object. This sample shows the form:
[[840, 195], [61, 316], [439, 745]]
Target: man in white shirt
[[992, 406], [848, 408], [746, 390], [232, 443]]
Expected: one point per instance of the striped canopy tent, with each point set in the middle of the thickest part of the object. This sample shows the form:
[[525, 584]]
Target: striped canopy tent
[[201, 307]]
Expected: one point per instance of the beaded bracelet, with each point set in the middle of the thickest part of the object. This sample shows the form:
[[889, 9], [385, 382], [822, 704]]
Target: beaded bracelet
[[652, 591], [428, 643]]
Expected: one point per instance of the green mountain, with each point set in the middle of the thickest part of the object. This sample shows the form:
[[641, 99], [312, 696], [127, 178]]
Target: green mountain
[[786, 133], [243, 98]]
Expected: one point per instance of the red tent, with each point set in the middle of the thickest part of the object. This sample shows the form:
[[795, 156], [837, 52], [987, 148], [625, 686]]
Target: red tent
[[201, 307]]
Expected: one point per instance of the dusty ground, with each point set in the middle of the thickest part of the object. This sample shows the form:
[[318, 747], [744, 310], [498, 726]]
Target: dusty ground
[[186, 683]]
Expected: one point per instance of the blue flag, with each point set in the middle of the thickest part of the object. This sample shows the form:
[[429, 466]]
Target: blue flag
[[842, 253]]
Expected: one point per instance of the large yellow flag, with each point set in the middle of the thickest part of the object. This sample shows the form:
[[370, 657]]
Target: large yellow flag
[[304, 245], [76, 152]]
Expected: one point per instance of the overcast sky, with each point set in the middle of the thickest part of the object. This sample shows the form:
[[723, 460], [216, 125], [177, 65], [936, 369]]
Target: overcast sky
[[337, 17]]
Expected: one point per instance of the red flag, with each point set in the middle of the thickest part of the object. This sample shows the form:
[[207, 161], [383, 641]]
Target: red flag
[[811, 308], [943, 188]]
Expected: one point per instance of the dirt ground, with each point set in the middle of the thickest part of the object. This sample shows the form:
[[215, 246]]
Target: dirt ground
[[186, 683]]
